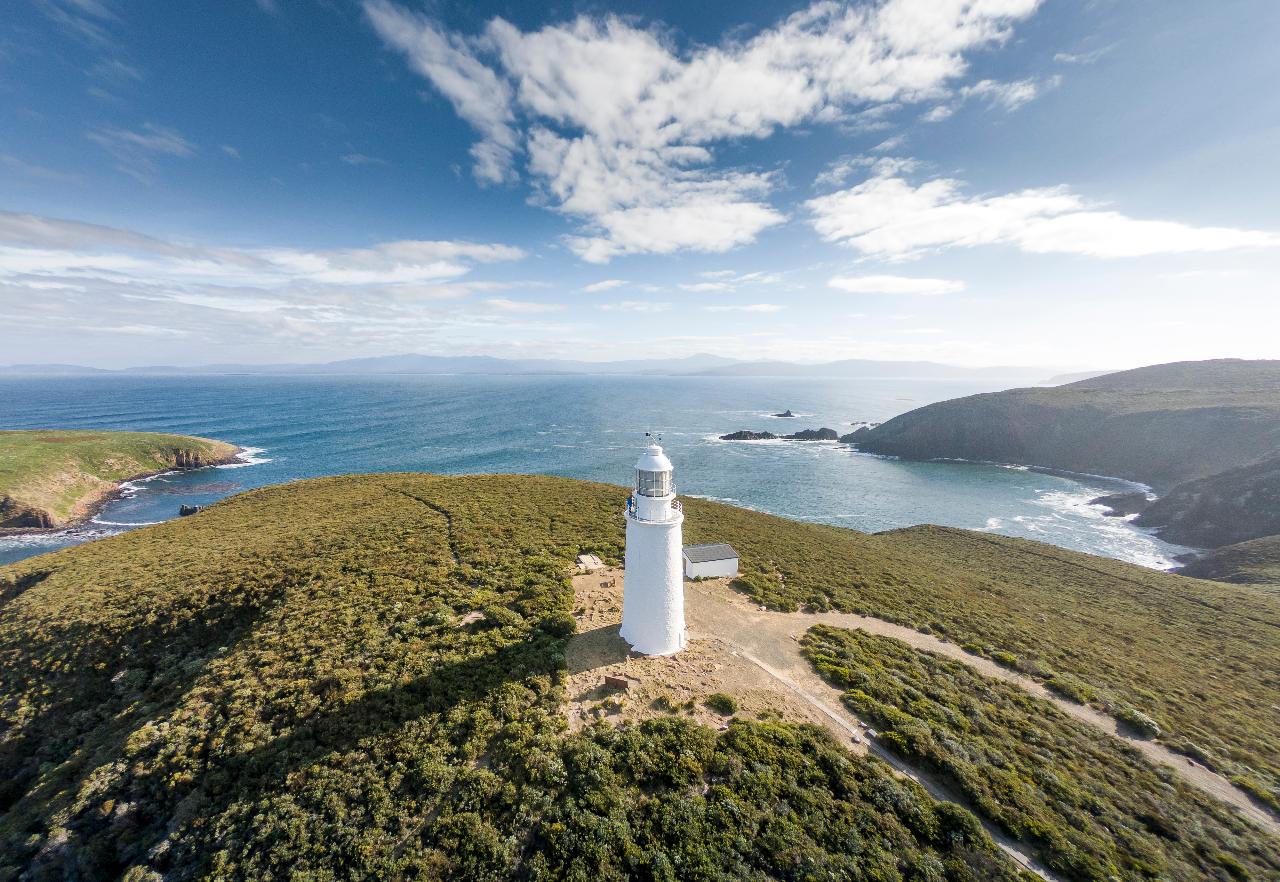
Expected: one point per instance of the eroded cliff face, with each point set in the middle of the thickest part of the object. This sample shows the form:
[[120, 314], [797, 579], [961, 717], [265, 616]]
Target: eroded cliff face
[[19, 509], [15, 515]]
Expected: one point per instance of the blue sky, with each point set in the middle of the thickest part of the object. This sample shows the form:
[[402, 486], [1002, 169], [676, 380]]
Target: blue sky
[[986, 182]]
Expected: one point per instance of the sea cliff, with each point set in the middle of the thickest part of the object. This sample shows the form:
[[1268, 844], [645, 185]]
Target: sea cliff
[[51, 479]]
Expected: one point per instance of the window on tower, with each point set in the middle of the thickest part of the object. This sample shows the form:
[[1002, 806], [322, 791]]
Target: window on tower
[[653, 483]]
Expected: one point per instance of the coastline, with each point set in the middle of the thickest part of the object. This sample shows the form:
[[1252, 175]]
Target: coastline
[[92, 503]]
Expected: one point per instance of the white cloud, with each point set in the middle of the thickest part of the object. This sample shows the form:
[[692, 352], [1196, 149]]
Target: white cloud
[[618, 123], [729, 280], [230, 151], [603, 285], [635, 306], [57, 276], [1011, 95], [888, 217], [358, 159], [1081, 57], [895, 285], [478, 94], [839, 171], [1007, 96], [749, 307], [522, 306], [135, 150]]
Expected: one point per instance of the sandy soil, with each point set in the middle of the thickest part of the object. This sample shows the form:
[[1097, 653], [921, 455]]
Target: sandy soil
[[753, 654]]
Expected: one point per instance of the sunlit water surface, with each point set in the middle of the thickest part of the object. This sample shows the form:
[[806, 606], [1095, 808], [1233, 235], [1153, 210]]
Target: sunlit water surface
[[581, 427]]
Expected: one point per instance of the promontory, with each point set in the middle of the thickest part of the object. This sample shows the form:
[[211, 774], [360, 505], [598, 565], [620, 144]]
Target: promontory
[[54, 478], [1205, 435]]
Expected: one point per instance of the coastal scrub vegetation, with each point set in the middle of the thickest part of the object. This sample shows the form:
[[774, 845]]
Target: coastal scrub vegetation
[[1200, 659], [292, 684], [50, 477], [1093, 808]]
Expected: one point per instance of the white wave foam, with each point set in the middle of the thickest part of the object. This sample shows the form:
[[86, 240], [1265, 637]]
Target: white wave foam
[[125, 523], [248, 456]]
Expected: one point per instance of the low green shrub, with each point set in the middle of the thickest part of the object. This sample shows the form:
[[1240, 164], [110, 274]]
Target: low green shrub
[[1090, 807], [721, 703]]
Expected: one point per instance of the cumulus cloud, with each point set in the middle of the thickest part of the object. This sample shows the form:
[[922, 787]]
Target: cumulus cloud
[[886, 216], [603, 285], [895, 285], [616, 124]]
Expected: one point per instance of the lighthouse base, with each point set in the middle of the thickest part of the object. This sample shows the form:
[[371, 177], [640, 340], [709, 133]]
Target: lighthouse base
[[653, 587]]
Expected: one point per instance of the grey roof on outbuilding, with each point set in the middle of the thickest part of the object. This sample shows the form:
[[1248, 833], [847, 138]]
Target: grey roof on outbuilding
[[705, 553]]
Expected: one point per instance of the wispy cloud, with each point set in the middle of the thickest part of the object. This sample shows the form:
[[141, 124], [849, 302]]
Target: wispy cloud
[[135, 150], [886, 216], [32, 170], [894, 285], [618, 126], [635, 306], [748, 307], [57, 274], [359, 159], [729, 280], [527, 307], [603, 285]]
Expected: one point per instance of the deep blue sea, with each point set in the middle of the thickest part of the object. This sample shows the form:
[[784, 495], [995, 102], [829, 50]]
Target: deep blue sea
[[576, 426]]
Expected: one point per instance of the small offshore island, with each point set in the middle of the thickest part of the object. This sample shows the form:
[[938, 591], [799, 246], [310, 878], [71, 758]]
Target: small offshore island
[[55, 478]]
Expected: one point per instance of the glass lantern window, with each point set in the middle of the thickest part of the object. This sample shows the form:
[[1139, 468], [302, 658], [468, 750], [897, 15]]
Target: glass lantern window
[[653, 483]]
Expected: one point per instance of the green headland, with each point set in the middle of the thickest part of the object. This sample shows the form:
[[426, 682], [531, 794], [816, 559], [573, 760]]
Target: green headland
[[56, 477], [364, 677]]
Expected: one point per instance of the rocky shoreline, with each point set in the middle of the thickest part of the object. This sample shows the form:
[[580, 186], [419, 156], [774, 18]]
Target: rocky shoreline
[[30, 521], [823, 434]]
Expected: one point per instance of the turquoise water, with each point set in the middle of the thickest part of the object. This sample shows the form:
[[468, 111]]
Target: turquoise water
[[582, 427]]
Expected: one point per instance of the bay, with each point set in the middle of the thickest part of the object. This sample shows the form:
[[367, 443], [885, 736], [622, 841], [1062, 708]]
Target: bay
[[587, 427]]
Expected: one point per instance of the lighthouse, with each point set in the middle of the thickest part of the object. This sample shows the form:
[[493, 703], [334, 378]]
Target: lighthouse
[[653, 587]]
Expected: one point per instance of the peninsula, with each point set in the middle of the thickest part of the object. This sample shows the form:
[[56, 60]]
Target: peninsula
[[393, 676], [55, 478]]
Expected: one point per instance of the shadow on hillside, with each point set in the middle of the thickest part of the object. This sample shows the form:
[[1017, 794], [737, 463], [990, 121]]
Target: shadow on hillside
[[597, 648], [439, 699], [104, 684]]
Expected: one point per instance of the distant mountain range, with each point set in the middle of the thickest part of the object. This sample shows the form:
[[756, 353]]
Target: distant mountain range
[[693, 365]]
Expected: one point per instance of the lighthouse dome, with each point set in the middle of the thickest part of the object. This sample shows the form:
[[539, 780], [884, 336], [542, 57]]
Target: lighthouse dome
[[653, 460]]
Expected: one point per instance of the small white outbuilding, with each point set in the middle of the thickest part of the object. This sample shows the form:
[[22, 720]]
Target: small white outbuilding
[[714, 561]]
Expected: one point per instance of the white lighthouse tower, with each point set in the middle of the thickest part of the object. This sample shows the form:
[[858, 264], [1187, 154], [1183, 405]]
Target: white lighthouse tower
[[653, 587]]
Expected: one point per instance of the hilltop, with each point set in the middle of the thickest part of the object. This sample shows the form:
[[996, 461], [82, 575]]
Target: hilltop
[[51, 478], [364, 677], [1206, 435]]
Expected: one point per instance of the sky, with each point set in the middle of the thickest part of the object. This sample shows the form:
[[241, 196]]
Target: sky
[[1067, 183]]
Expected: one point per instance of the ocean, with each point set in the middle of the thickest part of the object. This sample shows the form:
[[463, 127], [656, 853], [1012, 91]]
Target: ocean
[[576, 426]]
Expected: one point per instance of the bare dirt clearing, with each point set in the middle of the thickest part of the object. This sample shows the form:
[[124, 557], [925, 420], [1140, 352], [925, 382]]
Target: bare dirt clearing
[[754, 655]]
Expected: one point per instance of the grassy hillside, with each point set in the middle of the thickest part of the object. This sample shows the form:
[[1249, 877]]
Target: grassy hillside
[[1039, 774], [281, 687], [1162, 425], [1202, 658], [1256, 562], [49, 478]]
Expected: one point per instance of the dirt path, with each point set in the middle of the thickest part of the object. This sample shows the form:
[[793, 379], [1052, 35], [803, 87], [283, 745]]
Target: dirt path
[[768, 677], [738, 648], [715, 606]]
